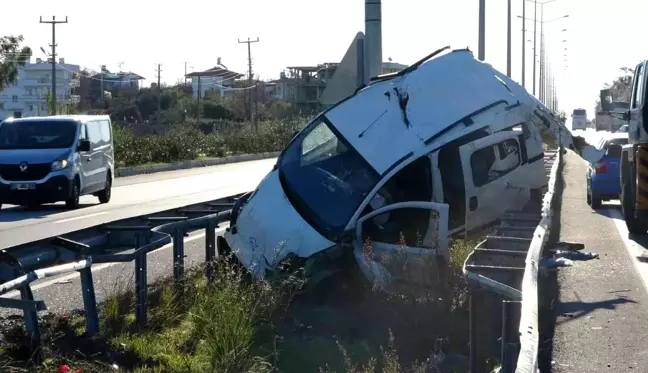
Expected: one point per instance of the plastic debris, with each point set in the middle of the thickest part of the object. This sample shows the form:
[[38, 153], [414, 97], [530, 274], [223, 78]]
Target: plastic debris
[[554, 262], [575, 255]]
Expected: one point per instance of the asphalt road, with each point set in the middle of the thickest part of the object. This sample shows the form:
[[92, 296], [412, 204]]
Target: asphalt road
[[63, 293], [132, 196], [602, 311]]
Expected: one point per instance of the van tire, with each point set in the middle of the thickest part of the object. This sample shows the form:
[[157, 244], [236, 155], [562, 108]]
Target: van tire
[[627, 210], [75, 195], [104, 195]]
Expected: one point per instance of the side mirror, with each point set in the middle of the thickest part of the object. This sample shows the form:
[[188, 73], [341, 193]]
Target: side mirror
[[84, 145]]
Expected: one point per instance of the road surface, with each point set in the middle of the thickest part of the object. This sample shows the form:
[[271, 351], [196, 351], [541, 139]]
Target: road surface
[[132, 196], [602, 313]]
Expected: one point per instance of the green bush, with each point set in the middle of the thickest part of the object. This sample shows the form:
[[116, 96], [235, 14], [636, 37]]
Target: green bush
[[186, 141]]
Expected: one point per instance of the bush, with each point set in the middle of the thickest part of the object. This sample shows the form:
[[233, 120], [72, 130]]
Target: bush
[[189, 141]]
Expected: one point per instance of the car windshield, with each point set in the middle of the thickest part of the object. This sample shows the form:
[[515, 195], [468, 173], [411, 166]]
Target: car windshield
[[325, 178], [37, 134]]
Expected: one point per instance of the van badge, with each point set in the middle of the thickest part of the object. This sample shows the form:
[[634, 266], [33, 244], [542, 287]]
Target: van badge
[[23, 167]]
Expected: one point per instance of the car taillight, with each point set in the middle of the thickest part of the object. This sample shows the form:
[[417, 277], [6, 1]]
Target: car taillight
[[601, 167]]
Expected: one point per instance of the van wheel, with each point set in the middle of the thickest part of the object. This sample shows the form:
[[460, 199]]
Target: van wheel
[[627, 209], [75, 195], [104, 195]]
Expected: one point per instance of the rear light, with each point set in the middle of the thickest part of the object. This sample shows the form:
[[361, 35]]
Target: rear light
[[601, 167]]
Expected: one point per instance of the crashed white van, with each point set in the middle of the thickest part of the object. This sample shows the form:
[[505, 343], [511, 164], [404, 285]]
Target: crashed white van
[[444, 146]]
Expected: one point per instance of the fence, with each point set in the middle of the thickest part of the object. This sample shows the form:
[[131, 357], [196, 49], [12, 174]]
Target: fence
[[121, 241], [503, 275]]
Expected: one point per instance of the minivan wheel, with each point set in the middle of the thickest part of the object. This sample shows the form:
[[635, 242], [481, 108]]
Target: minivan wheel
[[73, 201], [104, 195]]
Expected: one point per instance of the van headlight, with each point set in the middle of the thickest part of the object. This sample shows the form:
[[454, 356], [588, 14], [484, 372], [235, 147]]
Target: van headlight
[[60, 164]]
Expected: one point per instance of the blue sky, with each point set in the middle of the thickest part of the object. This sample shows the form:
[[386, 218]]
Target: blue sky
[[303, 32]]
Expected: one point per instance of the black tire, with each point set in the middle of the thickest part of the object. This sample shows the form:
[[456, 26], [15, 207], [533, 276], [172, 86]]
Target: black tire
[[595, 202], [104, 195], [627, 210], [75, 195], [589, 199]]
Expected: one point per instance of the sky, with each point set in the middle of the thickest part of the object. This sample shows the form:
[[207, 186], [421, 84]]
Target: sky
[[140, 34]]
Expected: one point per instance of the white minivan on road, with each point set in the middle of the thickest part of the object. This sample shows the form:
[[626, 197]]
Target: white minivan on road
[[56, 158]]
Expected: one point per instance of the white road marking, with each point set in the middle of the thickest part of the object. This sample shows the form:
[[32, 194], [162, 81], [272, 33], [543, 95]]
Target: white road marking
[[634, 249], [79, 217], [95, 269]]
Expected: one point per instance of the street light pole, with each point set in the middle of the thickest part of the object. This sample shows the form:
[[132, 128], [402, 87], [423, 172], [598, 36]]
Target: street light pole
[[482, 30], [508, 41], [542, 65], [523, 43], [535, 25]]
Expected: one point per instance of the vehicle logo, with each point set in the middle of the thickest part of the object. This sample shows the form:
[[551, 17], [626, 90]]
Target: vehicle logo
[[23, 167]]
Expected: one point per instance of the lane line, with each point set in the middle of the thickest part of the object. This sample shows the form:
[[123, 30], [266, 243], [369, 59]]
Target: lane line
[[79, 217], [72, 276], [634, 249]]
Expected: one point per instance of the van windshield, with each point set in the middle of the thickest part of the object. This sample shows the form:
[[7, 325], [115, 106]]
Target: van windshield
[[37, 134], [325, 178]]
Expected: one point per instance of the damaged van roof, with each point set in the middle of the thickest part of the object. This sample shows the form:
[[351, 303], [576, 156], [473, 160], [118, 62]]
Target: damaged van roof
[[388, 119]]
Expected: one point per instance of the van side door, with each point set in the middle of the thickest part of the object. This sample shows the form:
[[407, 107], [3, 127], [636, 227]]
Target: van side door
[[93, 164], [637, 103], [85, 160], [494, 177]]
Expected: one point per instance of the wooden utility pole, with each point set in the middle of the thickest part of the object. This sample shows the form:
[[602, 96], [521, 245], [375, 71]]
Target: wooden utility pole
[[251, 113], [53, 22], [159, 88]]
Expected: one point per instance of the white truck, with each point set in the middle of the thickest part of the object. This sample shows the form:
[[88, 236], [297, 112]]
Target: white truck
[[579, 119]]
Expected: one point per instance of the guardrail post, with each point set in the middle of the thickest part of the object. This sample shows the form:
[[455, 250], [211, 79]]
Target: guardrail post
[[31, 322], [89, 301], [178, 255], [210, 249], [140, 284]]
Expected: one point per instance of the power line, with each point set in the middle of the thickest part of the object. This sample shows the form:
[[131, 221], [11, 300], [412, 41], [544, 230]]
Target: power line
[[53, 22]]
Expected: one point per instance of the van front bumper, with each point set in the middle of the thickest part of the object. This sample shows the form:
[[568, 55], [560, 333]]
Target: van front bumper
[[54, 189]]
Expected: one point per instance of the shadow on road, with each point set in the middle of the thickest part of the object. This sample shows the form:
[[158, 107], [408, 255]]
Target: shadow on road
[[18, 213], [575, 310]]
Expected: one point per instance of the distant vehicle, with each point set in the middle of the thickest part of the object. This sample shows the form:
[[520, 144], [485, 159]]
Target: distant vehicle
[[623, 129], [579, 119], [56, 158], [604, 176]]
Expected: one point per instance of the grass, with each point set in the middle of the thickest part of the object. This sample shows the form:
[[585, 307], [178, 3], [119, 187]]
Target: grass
[[236, 324]]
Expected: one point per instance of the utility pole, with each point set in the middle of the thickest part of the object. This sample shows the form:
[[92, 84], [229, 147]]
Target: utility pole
[[523, 42], [159, 88], [120, 64], [482, 30], [53, 22], [542, 66], [535, 34], [185, 74], [508, 41], [250, 114]]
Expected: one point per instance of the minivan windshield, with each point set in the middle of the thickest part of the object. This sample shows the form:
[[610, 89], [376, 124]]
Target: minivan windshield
[[325, 178], [37, 134]]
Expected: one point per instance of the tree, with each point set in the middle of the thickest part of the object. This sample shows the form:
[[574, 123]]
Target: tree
[[12, 56], [621, 87]]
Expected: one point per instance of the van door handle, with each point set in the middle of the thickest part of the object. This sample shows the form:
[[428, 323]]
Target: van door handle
[[89, 159], [473, 203]]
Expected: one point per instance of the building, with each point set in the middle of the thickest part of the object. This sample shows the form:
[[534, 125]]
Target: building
[[105, 81], [27, 96], [216, 80], [303, 86]]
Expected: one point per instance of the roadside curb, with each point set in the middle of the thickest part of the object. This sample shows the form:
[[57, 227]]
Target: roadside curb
[[140, 170]]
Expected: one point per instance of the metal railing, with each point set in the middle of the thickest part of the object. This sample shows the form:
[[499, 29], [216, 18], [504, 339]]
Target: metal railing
[[123, 241], [503, 273]]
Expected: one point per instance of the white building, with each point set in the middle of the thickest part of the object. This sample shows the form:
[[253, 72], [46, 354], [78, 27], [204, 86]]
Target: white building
[[216, 80], [28, 95]]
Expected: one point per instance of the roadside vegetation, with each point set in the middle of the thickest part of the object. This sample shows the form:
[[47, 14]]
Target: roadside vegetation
[[235, 324]]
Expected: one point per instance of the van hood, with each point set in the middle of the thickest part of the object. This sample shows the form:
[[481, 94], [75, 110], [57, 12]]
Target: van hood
[[31, 156], [268, 229]]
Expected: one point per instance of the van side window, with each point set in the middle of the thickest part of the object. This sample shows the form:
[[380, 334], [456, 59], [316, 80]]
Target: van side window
[[493, 162], [94, 133], [105, 131], [638, 88]]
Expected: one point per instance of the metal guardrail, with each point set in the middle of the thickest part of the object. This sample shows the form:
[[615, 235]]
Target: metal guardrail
[[125, 240], [503, 272]]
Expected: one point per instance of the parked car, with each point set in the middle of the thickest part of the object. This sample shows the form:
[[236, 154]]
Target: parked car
[[603, 176], [57, 158], [623, 129]]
